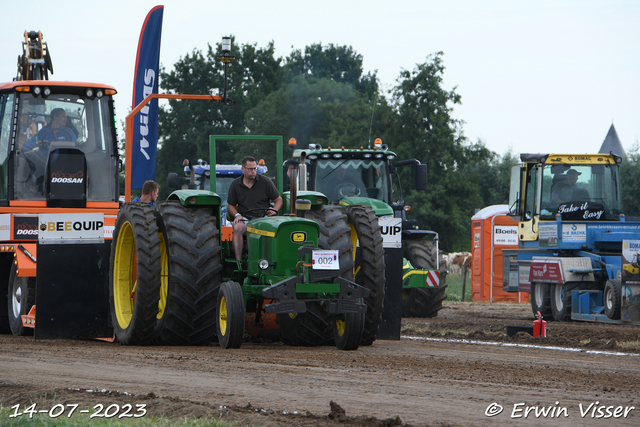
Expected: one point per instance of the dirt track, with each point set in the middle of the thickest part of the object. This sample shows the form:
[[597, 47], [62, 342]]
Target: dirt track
[[432, 379]]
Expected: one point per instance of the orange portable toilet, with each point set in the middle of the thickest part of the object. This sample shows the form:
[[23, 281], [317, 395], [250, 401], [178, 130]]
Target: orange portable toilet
[[492, 231]]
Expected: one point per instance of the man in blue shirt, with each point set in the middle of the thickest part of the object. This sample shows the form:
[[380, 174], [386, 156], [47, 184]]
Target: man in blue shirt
[[56, 130], [150, 191]]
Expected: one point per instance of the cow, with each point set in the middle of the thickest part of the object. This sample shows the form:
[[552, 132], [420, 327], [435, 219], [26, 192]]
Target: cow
[[457, 260]]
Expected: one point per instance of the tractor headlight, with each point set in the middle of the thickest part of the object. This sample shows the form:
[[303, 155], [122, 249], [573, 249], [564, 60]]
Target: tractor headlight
[[263, 264]]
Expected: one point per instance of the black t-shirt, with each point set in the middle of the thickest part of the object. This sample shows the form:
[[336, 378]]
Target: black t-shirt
[[258, 196]]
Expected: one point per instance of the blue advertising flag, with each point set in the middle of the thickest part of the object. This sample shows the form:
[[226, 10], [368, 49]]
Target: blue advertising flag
[[145, 82]]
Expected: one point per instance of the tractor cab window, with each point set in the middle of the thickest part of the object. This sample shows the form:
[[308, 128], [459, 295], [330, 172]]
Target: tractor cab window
[[338, 178], [530, 195], [64, 121], [6, 109], [580, 192]]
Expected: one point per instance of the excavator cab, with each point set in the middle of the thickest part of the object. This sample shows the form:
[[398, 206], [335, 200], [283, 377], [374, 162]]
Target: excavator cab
[[86, 138]]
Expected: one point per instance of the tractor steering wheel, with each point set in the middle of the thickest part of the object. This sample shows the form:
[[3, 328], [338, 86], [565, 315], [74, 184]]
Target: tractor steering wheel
[[49, 140], [348, 189], [255, 213]]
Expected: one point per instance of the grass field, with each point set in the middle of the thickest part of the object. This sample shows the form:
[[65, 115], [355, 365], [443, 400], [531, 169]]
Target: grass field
[[454, 287]]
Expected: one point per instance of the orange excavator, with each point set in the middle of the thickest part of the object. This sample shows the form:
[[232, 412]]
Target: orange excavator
[[59, 169]]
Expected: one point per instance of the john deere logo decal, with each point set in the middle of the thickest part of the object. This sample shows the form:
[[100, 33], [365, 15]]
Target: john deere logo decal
[[298, 237]]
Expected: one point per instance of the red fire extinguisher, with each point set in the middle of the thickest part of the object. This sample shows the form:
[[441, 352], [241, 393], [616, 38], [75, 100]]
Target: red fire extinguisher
[[539, 326]]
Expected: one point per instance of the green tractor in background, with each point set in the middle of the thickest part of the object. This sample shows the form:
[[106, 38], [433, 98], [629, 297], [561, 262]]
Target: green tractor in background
[[175, 281]]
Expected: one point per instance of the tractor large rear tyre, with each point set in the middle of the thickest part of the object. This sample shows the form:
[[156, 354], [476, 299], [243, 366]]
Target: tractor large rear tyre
[[315, 326], [422, 302], [135, 274], [22, 296], [191, 271], [369, 265], [540, 299], [306, 329]]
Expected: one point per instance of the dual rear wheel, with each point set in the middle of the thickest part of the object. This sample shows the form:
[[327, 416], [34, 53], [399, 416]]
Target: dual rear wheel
[[165, 275]]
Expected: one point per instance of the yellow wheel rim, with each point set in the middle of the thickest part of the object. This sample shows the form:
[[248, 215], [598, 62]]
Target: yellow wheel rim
[[354, 244], [222, 316], [164, 277], [293, 315], [341, 325], [124, 275], [405, 294]]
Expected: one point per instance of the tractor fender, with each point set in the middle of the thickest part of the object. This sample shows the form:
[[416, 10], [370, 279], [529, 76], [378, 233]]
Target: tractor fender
[[416, 234], [196, 197], [26, 265], [379, 207]]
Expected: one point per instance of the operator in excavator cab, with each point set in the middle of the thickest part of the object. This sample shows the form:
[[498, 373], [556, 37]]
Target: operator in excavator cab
[[58, 129]]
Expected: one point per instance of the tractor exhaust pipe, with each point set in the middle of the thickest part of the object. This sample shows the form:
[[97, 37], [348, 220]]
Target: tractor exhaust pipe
[[293, 190]]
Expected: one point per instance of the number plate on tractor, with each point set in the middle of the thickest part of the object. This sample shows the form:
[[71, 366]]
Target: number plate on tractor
[[325, 260]]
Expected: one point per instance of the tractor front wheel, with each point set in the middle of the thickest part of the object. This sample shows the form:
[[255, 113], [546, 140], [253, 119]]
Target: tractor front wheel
[[347, 330], [230, 315]]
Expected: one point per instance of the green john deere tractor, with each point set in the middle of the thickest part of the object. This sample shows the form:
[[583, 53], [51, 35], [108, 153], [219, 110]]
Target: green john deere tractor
[[360, 181], [175, 281]]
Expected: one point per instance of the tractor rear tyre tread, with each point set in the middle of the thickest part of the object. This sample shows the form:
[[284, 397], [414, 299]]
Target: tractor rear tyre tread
[[308, 329], [193, 251], [369, 266], [422, 302], [314, 327], [135, 237]]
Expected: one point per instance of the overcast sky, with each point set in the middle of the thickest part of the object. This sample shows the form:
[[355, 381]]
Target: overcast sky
[[534, 76]]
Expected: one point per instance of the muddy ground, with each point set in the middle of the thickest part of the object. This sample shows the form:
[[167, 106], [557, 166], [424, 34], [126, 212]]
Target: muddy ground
[[453, 370]]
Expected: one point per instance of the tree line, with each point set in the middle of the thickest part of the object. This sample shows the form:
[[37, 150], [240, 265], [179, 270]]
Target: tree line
[[322, 95]]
